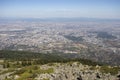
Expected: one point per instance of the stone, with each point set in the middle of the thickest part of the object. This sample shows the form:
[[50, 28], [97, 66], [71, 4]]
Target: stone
[[98, 76], [79, 78]]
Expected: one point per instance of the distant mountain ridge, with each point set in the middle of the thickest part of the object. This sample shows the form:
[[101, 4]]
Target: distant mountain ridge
[[58, 19]]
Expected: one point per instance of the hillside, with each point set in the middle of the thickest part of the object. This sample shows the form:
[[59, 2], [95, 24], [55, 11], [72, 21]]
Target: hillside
[[22, 65]]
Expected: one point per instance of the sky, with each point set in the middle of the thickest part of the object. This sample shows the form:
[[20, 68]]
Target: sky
[[60, 8]]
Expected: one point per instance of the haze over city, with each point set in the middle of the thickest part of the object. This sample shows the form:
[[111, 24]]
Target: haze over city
[[59, 39]]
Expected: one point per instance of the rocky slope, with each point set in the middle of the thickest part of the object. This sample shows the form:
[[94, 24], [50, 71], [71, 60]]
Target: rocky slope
[[62, 71], [75, 71]]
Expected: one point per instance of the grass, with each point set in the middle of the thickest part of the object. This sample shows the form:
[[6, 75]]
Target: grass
[[31, 72], [7, 71], [51, 64], [24, 76], [46, 79], [49, 70], [111, 70]]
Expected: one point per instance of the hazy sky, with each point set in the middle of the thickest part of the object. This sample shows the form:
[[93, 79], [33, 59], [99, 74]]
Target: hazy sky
[[60, 8]]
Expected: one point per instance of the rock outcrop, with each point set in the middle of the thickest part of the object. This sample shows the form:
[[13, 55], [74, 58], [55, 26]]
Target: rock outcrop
[[75, 71]]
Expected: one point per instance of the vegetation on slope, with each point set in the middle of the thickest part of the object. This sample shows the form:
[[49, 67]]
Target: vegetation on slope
[[29, 61], [23, 58]]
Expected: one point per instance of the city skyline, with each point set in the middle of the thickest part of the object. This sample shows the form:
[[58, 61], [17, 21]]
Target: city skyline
[[60, 8]]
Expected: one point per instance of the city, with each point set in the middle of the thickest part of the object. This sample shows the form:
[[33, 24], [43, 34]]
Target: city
[[59, 39]]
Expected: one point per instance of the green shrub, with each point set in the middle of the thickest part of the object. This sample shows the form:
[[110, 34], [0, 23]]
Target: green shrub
[[111, 70]]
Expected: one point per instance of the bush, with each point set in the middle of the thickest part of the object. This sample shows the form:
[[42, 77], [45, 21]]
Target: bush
[[111, 70]]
